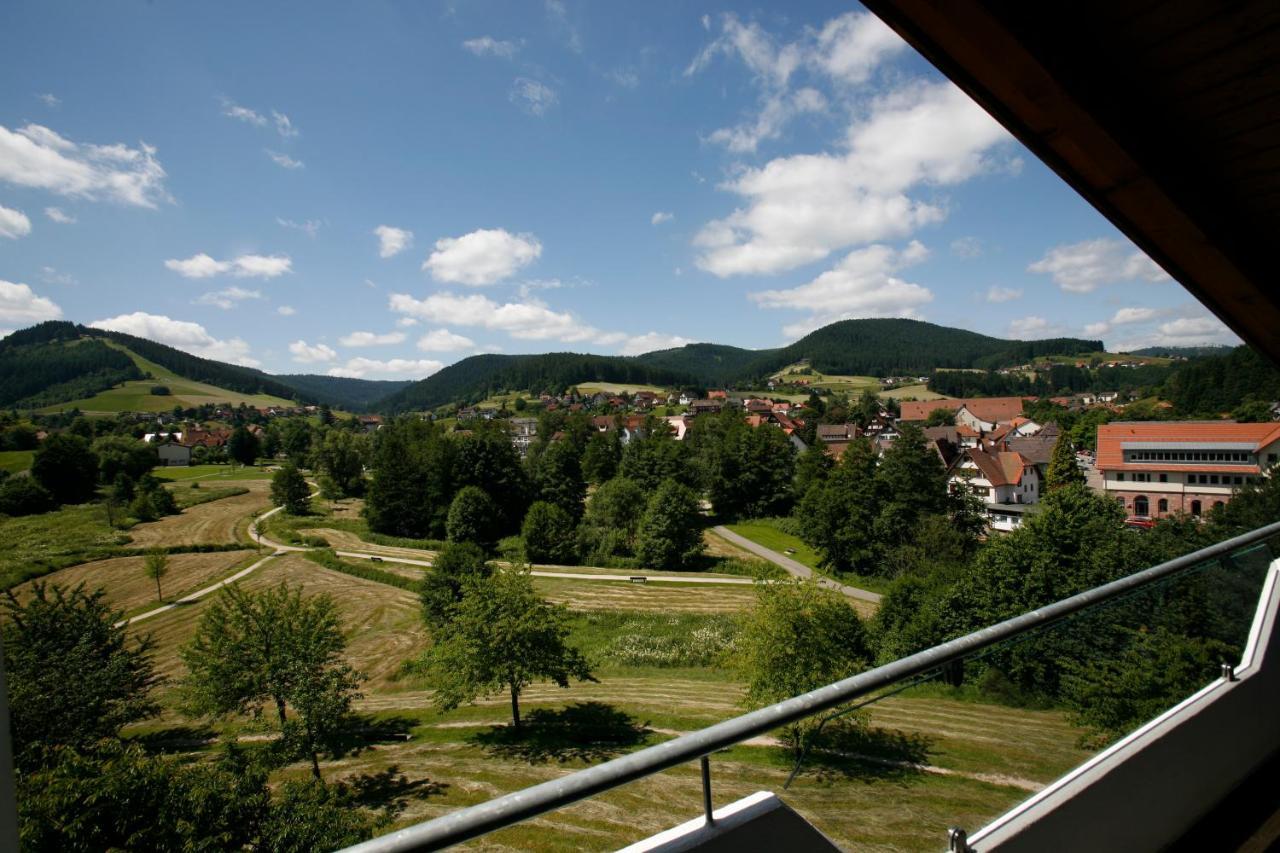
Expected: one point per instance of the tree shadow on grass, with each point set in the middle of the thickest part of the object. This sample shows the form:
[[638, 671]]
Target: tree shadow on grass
[[365, 732], [391, 790], [866, 753], [584, 731], [175, 739]]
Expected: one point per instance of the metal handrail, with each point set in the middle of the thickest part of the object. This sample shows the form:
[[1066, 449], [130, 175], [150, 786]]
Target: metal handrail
[[479, 819]]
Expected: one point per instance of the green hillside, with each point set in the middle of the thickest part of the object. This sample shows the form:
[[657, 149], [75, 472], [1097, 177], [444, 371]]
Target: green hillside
[[340, 392]]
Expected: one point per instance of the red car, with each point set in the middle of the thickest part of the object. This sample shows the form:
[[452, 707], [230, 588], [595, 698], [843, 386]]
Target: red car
[[1139, 522]]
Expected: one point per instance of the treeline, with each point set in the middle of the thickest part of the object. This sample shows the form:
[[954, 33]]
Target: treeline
[[1059, 379], [45, 373], [1211, 386], [475, 378], [353, 395]]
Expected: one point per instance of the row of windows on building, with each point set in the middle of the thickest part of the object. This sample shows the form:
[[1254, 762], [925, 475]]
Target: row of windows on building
[[1189, 456], [1141, 506], [1202, 479]]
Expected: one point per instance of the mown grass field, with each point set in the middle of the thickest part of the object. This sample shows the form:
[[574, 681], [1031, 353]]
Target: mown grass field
[[663, 654], [14, 461], [913, 392], [136, 396], [616, 388]]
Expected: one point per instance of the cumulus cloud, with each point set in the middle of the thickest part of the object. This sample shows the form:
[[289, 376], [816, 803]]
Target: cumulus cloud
[[392, 241], [651, 341], [966, 247], [305, 353], [245, 266], [371, 339], [443, 340], [186, 336], [1034, 327], [845, 51], [35, 156], [529, 320], [661, 217], [1086, 266], [532, 96], [229, 298], [799, 209], [49, 99], [19, 304], [13, 223], [360, 368], [482, 257], [1003, 294], [286, 311], [59, 216], [284, 160], [862, 284], [490, 46], [1097, 330]]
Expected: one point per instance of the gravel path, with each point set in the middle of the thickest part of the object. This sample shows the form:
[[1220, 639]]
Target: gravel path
[[794, 567]]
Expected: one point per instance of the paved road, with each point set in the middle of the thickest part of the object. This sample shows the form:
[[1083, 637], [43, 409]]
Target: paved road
[[794, 567]]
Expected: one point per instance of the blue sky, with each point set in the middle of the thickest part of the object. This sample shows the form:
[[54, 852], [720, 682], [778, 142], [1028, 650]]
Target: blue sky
[[380, 189]]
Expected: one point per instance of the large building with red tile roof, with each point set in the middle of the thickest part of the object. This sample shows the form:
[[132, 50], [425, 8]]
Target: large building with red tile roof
[[980, 413], [1158, 468]]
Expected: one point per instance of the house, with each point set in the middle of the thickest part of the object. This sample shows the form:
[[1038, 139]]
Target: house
[[523, 433], [756, 407], [881, 426], [1001, 479], [1157, 468], [838, 432], [1036, 449], [371, 423], [980, 413], [161, 437], [679, 426], [718, 395], [700, 407], [173, 454]]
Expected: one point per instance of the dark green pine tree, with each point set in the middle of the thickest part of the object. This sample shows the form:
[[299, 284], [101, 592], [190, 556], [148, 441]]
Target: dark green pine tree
[[1063, 470], [557, 478], [911, 482], [837, 515]]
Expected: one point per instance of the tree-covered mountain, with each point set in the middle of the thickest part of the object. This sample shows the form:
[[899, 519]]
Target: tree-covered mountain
[[81, 362], [1218, 384], [355, 395], [479, 376], [1183, 352], [879, 347]]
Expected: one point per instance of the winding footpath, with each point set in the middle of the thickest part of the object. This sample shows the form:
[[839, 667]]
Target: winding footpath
[[794, 567]]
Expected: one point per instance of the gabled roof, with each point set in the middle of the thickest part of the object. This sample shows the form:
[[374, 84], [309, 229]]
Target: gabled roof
[[992, 409], [1112, 437], [1000, 468]]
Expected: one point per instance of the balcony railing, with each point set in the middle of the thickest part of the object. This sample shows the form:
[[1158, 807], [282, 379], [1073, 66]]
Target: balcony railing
[[512, 808]]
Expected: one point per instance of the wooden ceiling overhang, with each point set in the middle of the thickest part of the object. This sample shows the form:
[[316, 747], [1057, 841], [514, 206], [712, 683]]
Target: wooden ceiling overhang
[[1163, 115]]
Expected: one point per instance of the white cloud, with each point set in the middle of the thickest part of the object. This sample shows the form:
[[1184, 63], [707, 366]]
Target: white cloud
[[370, 339], [244, 266], [490, 46], [661, 217], [49, 99], [1097, 330], [392, 241], [360, 368], [966, 247], [1033, 327], [305, 353], [532, 96], [651, 341], [1086, 266], [50, 275], [233, 110], [1003, 294], [846, 51], [862, 284], [627, 78], [1182, 331], [530, 320], [1135, 315], [19, 304], [443, 340], [309, 227], [186, 336], [35, 156], [482, 257], [406, 322], [286, 311], [801, 208], [13, 223], [284, 160], [284, 127], [229, 298], [59, 216], [559, 16]]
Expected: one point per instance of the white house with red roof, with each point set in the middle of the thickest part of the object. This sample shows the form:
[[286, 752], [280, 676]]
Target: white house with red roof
[[1005, 481], [1157, 468]]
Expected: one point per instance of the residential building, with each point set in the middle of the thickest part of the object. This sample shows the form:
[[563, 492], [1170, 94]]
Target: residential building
[[523, 433], [980, 413], [1004, 480], [173, 454], [1158, 468]]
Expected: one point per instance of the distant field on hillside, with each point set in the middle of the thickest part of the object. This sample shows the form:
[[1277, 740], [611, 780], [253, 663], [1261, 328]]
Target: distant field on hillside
[[917, 392], [615, 388], [136, 396], [14, 461], [829, 381]]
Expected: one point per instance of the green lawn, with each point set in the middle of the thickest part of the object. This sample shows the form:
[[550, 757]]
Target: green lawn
[[178, 474], [14, 461], [766, 532], [914, 392]]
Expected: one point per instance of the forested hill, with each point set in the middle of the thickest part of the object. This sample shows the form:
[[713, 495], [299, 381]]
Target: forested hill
[[245, 380], [479, 376], [355, 395], [879, 347], [1220, 383]]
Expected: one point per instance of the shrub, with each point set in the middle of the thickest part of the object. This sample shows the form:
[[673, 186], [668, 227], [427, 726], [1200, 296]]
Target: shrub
[[548, 533], [24, 496], [473, 517]]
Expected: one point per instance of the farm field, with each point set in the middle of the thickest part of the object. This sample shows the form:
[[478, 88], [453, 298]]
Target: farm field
[[213, 523], [14, 461], [913, 392], [830, 381], [615, 388]]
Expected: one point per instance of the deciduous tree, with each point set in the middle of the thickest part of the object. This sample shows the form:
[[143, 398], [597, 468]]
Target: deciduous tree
[[289, 489], [670, 532], [474, 517]]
